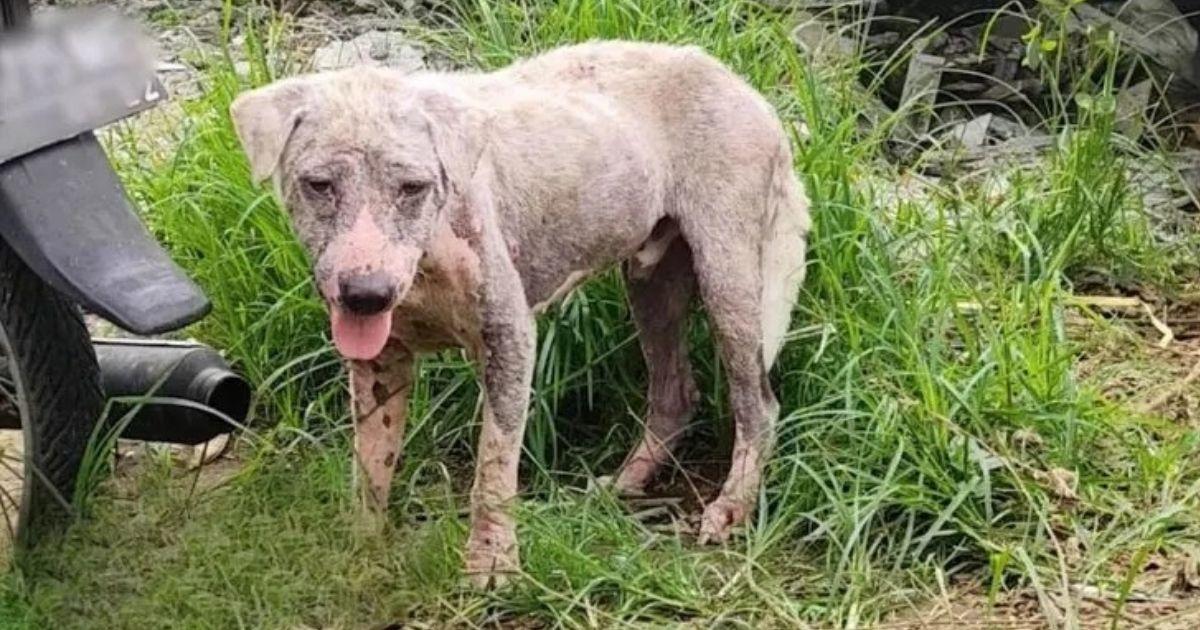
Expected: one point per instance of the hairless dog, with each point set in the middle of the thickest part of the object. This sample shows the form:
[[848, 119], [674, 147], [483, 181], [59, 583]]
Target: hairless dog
[[448, 209]]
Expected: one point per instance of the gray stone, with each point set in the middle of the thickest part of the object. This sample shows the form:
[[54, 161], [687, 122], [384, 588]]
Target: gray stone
[[1006, 128], [815, 39], [972, 133], [1132, 104], [920, 93], [373, 48], [1154, 28]]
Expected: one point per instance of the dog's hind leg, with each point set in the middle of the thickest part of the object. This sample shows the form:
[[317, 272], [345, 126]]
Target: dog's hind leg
[[659, 297], [379, 389], [731, 295], [726, 250]]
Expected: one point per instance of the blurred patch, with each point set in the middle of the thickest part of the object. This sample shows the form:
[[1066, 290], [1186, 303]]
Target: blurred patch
[[74, 72]]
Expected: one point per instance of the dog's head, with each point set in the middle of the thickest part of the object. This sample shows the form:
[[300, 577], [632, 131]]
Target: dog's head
[[366, 162]]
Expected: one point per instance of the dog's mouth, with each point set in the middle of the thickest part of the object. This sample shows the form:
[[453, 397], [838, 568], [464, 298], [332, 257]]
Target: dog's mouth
[[361, 297], [360, 337]]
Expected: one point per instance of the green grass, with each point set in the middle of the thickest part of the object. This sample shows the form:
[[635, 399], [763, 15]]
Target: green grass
[[916, 434]]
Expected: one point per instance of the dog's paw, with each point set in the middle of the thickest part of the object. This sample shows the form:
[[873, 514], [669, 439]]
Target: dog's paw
[[720, 518], [620, 486], [492, 556], [370, 522]]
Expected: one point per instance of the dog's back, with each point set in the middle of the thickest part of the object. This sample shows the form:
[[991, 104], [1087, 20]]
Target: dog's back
[[714, 131], [687, 92]]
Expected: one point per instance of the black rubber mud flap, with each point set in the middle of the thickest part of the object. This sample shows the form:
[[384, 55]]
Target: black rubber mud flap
[[66, 215]]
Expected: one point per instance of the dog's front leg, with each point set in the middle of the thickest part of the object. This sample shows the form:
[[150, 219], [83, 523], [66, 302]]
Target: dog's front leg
[[506, 361], [379, 389]]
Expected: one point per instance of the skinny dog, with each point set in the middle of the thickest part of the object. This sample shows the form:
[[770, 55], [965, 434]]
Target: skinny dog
[[448, 209]]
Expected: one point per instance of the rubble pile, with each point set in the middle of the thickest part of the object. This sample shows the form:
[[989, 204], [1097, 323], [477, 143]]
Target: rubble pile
[[973, 83]]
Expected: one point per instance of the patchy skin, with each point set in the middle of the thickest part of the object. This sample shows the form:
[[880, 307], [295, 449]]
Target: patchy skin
[[442, 309], [478, 199], [492, 545], [659, 298], [379, 391]]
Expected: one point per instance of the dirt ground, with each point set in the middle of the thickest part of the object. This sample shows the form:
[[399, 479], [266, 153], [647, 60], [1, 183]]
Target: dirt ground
[[969, 609]]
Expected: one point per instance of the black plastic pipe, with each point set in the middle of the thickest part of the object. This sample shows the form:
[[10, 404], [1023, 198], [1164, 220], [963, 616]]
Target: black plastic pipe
[[171, 370]]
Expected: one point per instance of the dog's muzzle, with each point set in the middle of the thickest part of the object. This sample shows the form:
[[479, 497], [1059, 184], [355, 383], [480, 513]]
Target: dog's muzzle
[[366, 293], [361, 314]]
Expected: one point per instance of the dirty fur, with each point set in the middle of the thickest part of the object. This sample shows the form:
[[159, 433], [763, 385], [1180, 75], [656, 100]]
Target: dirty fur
[[456, 206]]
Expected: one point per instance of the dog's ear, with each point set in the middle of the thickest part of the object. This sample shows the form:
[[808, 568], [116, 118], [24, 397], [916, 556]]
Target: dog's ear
[[264, 120], [458, 132]]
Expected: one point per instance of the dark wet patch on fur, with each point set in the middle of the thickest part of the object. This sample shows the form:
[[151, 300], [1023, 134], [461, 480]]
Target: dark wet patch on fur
[[387, 420], [380, 392], [390, 459]]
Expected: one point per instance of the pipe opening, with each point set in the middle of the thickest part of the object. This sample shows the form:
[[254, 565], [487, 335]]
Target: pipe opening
[[230, 395]]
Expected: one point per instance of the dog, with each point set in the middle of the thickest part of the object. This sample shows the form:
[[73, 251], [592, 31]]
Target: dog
[[448, 209]]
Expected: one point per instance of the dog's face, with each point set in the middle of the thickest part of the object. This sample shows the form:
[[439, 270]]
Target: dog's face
[[363, 160]]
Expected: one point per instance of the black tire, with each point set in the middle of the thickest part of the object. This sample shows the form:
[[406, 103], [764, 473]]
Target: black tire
[[52, 374]]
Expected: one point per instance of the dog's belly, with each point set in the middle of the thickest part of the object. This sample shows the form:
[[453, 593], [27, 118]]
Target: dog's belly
[[564, 259], [568, 249]]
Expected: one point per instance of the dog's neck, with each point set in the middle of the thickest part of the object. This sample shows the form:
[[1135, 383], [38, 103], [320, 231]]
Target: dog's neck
[[442, 307]]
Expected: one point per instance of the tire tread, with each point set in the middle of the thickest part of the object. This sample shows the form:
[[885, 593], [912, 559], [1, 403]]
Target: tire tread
[[51, 347]]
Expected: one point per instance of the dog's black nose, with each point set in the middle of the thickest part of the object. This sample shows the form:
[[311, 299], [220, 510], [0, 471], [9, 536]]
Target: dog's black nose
[[366, 293]]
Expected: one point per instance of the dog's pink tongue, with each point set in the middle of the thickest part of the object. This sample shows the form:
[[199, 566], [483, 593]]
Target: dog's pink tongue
[[360, 337]]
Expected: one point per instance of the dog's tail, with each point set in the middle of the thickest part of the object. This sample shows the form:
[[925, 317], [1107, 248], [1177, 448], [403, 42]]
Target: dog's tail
[[786, 227]]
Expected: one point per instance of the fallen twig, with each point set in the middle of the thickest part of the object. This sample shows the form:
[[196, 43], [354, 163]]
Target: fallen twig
[[1117, 302]]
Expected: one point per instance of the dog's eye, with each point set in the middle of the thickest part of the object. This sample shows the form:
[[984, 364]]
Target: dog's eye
[[413, 189], [318, 187]]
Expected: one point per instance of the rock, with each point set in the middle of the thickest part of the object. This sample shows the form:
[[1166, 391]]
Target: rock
[[817, 41], [920, 94], [1007, 129], [1017, 90], [1026, 150], [1154, 28], [972, 133], [886, 39], [814, 38], [1132, 104], [373, 48], [1004, 27]]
